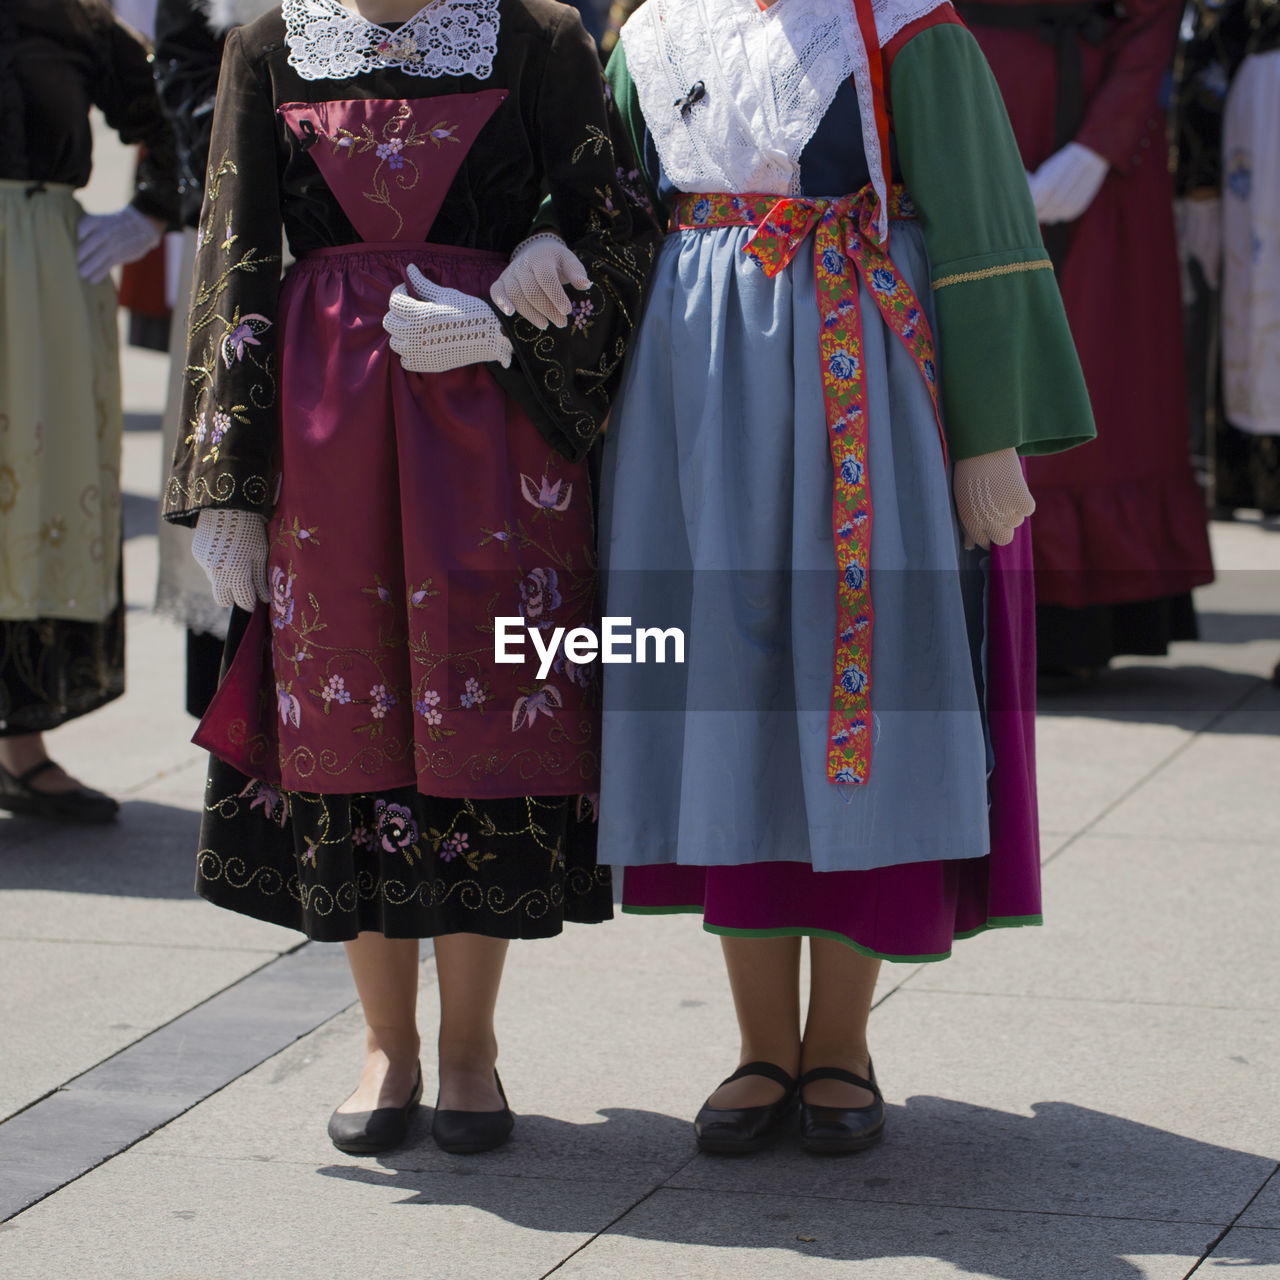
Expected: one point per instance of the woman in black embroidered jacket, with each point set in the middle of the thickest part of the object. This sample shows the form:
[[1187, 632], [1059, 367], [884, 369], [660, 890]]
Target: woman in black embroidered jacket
[[377, 777]]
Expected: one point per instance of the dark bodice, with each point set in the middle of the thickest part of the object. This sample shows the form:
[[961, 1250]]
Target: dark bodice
[[502, 179], [58, 59]]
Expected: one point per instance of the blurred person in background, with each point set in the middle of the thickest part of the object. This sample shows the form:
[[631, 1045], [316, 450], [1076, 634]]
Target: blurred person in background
[[61, 606], [1227, 121], [1120, 529], [190, 35]]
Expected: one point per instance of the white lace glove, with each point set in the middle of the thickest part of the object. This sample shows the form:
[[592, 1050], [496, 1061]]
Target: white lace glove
[[442, 329], [1199, 222], [992, 498], [110, 239], [1065, 185], [533, 283], [231, 547]]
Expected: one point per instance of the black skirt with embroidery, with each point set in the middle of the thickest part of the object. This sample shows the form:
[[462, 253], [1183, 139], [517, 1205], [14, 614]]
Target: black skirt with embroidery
[[53, 670], [400, 863]]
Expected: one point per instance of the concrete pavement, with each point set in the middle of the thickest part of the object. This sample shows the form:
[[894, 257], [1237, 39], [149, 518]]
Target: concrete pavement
[[1098, 1098]]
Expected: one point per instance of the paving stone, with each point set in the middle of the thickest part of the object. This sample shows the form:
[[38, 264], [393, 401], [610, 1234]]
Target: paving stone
[[1245, 1251], [148, 1217], [1123, 915], [1211, 790], [1052, 1106], [726, 1236], [1082, 768], [65, 1006], [1265, 1210], [127, 1096], [130, 882]]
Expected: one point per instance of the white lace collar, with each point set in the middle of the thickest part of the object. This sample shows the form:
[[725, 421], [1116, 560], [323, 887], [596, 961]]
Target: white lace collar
[[328, 41]]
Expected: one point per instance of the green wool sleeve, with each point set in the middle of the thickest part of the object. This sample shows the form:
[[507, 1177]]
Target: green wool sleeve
[[1010, 375]]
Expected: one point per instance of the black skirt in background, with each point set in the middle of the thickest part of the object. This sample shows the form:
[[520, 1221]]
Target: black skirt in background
[[53, 670], [1068, 640]]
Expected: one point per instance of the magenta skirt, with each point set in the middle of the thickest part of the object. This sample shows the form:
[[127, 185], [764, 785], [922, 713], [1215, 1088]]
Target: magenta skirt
[[911, 912]]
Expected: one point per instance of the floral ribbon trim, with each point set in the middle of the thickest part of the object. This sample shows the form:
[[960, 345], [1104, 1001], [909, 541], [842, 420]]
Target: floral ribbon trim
[[845, 248]]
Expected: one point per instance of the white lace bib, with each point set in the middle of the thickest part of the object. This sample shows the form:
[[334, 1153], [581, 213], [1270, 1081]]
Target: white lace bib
[[328, 41], [768, 76]]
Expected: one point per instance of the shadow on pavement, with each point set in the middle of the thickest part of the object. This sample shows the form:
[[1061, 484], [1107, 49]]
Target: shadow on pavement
[[1102, 1188], [1182, 697], [141, 515], [1238, 628], [148, 852]]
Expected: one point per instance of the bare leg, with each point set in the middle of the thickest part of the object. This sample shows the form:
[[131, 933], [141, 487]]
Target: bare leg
[[469, 969], [842, 983], [386, 975], [764, 974], [23, 751]]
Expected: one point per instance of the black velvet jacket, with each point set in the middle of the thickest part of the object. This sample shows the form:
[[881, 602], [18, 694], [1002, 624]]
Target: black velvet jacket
[[557, 133]]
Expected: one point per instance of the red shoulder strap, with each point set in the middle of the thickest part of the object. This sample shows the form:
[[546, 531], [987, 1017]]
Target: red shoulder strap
[[943, 16]]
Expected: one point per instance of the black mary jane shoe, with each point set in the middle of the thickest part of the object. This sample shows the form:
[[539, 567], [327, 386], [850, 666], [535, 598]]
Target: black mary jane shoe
[[467, 1133], [839, 1131], [365, 1133], [737, 1131], [83, 804]]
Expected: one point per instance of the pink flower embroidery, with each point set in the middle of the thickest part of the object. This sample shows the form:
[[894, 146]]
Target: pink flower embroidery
[[282, 601], [527, 709], [546, 496], [221, 425], [452, 846], [243, 335], [336, 691], [268, 799], [383, 701], [290, 708]]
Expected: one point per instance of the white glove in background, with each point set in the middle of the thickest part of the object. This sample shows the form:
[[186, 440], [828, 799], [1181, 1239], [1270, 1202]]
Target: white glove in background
[[442, 329], [1065, 185], [231, 547], [533, 283], [992, 498], [111, 239], [1199, 223]]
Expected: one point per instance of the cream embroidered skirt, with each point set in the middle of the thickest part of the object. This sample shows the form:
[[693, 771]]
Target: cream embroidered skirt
[[60, 417]]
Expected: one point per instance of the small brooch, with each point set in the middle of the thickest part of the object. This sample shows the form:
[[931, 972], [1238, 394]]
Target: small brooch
[[697, 91]]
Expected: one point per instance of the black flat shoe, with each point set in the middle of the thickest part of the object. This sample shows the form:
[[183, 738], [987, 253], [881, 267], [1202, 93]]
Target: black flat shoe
[[84, 805], [736, 1131], [466, 1133], [365, 1133], [839, 1131]]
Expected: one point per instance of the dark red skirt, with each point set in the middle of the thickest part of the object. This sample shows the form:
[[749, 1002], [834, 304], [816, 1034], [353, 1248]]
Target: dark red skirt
[[413, 509]]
